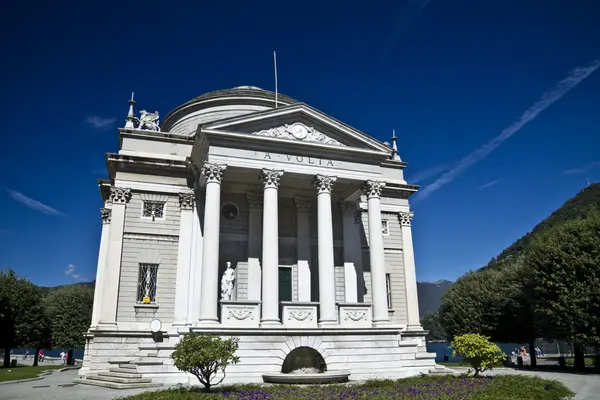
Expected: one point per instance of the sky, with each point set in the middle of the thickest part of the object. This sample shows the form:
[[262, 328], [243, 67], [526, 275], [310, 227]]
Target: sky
[[496, 105]]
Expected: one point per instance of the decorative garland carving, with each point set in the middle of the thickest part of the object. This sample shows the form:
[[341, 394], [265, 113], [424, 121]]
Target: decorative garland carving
[[120, 195], [213, 172], [300, 314], [405, 218], [298, 131], [271, 178], [187, 200], [355, 315], [374, 188], [324, 183], [240, 313], [106, 213]]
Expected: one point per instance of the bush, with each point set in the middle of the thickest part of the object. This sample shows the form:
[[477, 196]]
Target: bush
[[478, 351], [205, 356]]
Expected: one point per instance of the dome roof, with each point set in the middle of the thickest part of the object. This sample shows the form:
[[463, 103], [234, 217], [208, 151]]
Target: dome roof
[[245, 91], [219, 104]]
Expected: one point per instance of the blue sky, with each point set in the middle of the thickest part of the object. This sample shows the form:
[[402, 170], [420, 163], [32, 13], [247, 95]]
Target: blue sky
[[448, 75]]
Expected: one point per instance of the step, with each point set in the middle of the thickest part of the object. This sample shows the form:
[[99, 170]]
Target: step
[[118, 373], [119, 361], [148, 362], [113, 385], [424, 356], [128, 366], [118, 379]]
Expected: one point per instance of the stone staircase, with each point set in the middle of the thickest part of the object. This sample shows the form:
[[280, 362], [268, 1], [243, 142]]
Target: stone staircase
[[123, 376]]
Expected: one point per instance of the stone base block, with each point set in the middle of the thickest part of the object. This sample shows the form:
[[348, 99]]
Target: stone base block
[[299, 315], [240, 313], [355, 315]]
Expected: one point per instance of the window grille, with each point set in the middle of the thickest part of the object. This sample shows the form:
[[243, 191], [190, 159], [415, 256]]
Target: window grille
[[147, 283], [388, 287], [384, 227], [154, 209]]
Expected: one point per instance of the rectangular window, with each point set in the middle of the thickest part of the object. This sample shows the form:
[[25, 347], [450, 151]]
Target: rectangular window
[[147, 283], [384, 227], [153, 209], [388, 287]]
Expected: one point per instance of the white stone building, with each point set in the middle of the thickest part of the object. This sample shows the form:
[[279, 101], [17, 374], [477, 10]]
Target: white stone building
[[312, 214]]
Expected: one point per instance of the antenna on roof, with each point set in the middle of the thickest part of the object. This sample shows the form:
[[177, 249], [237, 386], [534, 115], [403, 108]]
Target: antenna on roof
[[275, 65]]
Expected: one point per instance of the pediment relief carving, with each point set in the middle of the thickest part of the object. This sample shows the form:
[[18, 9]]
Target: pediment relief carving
[[299, 132]]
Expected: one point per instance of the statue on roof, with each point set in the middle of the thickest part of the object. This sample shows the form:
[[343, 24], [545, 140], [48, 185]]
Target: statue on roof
[[148, 121]]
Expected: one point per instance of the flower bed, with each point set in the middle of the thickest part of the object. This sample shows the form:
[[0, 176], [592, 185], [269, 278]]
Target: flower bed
[[421, 388]]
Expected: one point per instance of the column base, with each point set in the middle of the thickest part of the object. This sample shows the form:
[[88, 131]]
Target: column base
[[382, 323], [208, 322], [270, 323], [327, 323]]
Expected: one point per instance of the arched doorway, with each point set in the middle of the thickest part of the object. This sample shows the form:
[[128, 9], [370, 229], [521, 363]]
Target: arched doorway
[[304, 358]]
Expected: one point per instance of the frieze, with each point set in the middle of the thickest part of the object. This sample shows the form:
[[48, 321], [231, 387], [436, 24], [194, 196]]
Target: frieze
[[240, 313], [299, 132], [321, 162]]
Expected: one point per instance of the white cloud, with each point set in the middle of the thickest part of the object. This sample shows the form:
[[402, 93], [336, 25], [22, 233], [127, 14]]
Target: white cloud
[[487, 185], [99, 122], [546, 100], [428, 173], [33, 204], [583, 169], [70, 271]]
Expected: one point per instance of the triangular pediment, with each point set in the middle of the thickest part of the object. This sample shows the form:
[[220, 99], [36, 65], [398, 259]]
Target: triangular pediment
[[299, 123]]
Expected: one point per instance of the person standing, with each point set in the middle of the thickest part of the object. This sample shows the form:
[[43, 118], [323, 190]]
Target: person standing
[[62, 357]]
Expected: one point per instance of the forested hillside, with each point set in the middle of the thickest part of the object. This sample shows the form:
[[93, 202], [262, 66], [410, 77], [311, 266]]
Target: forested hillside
[[580, 206]]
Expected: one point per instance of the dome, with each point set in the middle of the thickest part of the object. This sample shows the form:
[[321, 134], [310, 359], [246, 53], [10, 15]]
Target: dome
[[221, 104]]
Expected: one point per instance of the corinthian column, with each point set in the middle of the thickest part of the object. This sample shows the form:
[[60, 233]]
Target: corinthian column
[[213, 174], [184, 257], [270, 247], [105, 213], [378, 288], [328, 314], [110, 286], [410, 275]]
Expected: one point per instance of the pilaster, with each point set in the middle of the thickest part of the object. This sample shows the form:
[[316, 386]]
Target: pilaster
[[184, 257], [352, 251], [255, 204], [119, 198], [100, 270], [303, 209]]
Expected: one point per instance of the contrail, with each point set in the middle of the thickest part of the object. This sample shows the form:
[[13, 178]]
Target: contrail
[[546, 100]]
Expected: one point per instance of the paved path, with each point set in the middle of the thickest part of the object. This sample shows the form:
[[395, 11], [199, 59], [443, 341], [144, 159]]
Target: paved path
[[49, 388], [585, 386]]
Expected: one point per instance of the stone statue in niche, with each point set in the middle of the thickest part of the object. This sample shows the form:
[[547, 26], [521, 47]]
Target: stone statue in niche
[[227, 281]]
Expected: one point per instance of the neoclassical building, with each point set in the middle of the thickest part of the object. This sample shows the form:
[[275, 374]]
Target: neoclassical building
[[311, 214]]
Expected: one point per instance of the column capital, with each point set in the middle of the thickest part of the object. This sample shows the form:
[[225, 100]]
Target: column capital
[[120, 195], [271, 178], [374, 188], [303, 204], [106, 214], [353, 208], [324, 183], [405, 218], [187, 200], [213, 172], [255, 201]]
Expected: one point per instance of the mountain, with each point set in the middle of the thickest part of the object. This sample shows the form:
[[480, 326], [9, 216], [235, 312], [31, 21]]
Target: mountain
[[584, 203], [46, 290], [430, 296]]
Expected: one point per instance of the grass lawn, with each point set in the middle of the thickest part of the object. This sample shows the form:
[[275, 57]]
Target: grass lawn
[[24, 372], [426, 387], [589, 361]]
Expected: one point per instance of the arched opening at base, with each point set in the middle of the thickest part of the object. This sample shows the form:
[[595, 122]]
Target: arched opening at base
[[304, 359]]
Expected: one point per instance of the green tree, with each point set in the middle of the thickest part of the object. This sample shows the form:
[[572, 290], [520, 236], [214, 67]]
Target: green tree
[[22, 320], [478, 351], [205, 356], [432, 324], [70, 313], [566, 270]]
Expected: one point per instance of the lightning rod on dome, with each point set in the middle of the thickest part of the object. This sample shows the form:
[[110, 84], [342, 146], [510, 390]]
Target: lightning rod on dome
[[129, 122], [275, 66]]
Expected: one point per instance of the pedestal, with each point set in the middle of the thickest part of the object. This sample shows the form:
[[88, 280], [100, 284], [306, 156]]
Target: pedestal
[[355, 315], [299, 314], [240, 313]]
